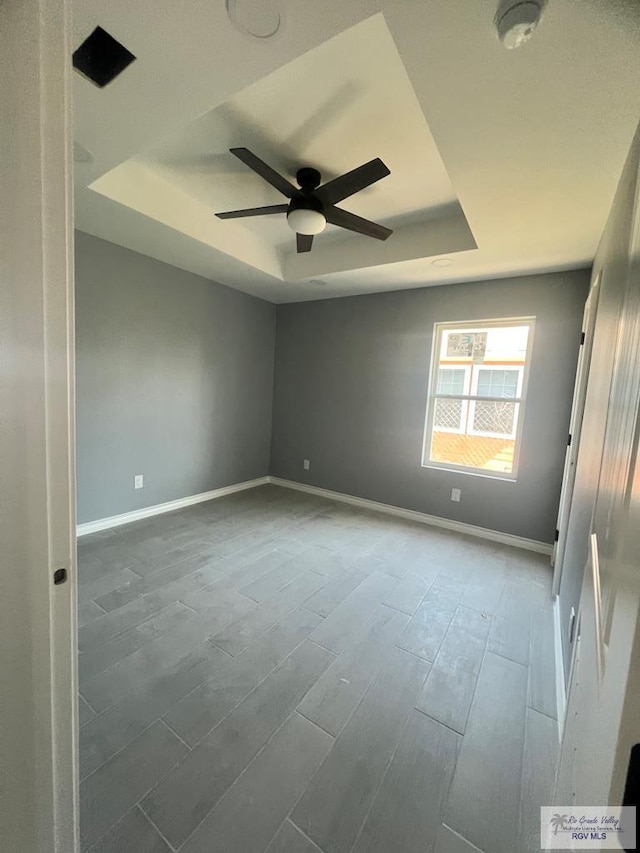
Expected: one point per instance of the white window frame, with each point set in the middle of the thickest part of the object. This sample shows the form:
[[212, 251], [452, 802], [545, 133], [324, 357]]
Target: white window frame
[[432, 395], [519, 368], [464, 412]]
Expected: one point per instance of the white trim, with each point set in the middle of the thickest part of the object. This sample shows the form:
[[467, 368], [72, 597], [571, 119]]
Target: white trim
[[169, 506], [412, 515], [420, 517], [561, 690], [38, 648], [466, 369], [517, 368]]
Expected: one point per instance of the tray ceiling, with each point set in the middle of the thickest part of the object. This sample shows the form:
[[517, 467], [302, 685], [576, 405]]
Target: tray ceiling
[[503, 162]]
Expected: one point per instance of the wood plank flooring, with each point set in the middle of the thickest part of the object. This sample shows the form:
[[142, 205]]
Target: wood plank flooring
[[273, 672]]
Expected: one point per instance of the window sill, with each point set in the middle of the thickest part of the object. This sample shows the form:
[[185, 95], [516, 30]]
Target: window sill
[[471, 472]]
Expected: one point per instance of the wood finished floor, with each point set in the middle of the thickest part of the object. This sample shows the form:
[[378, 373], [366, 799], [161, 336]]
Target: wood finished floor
[[272, 672]]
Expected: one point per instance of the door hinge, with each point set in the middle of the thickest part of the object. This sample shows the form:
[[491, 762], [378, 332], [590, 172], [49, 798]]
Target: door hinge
[[582, 339], [569, 441], [557, 535], [572, 625]]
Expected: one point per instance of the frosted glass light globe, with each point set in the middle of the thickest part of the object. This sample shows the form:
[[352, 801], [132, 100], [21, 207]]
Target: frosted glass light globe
[[306, 221]]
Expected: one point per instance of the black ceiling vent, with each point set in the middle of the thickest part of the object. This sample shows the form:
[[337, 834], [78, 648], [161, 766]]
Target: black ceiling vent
[[101, 58]]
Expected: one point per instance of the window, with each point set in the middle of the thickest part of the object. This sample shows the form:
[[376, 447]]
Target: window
[[450, 413], [476, 396]]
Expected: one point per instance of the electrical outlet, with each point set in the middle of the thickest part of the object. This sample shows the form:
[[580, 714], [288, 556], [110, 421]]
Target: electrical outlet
[[455, 495], [138, 481], [306, 464]]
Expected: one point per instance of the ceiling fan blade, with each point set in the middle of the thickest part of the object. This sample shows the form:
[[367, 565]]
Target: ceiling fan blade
[[344, 219], [304, 242], [270, 175], [253, 211], [352, 182]]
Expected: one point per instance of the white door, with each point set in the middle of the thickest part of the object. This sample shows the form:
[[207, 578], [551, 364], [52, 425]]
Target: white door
[[603, 713], [38, 778], [575, 429]]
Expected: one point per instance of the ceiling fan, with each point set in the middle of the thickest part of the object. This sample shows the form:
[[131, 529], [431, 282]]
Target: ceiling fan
[[311, 206]]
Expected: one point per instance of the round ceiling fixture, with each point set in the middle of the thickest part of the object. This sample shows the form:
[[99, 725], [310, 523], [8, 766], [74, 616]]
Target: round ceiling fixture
[[305, 221], [81, 154], [516, 21], [442, 262], [258, 18]]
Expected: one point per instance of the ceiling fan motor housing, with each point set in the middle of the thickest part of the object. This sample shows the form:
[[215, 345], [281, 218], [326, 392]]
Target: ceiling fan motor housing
[[305, 202], [306, 212], [308, 179]]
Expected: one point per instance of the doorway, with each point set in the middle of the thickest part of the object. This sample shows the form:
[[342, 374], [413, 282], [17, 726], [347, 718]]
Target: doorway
[[575, 428]]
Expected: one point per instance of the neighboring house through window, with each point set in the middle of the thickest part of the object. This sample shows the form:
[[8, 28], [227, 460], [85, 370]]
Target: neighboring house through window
[[477, 392]]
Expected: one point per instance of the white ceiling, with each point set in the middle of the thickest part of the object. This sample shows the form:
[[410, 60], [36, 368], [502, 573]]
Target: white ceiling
[[335, 107], [517, 152]]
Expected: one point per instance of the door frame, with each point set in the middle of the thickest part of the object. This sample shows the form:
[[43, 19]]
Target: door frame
[[39, 806], [603, 704], [575, 428]]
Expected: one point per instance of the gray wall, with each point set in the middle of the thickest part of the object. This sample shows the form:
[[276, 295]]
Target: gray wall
[[351, 385], [174, 381]]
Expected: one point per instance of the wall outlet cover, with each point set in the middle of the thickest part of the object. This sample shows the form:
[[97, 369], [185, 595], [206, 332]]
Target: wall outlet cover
[[455, 495], [306, 464], [138, 481]]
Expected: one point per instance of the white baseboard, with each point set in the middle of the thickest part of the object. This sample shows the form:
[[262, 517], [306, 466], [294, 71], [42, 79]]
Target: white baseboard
[[169, 506], [421, 517], [412, 515], [561, 690]]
